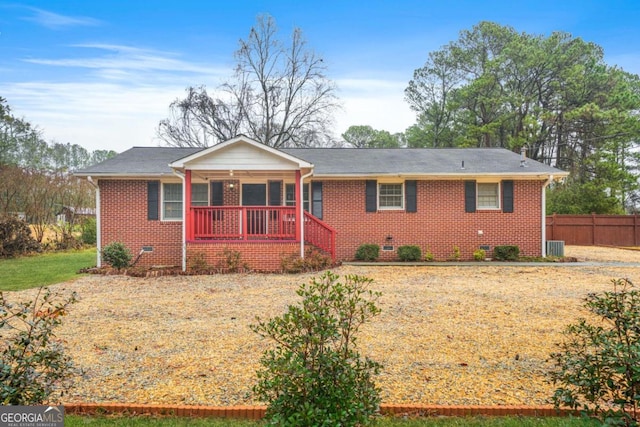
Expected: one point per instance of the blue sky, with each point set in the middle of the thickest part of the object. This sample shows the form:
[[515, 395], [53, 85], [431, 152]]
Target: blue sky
[[101, 74]]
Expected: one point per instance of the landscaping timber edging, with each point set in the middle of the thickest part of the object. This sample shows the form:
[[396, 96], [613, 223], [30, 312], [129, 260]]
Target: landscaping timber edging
[[258, 412]]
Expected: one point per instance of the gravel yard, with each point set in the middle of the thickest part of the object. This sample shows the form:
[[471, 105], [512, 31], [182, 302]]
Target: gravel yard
[[447, 334]]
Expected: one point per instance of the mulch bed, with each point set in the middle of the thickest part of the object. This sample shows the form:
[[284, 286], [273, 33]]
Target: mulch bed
[[450, 335]]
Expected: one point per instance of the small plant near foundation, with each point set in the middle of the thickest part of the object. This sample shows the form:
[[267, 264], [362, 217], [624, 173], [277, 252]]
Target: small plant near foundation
[[33, 365], [409, 253], [198, 264], [313, 260], [428, 256], [232, 261], [368, 252], [456, 254], [479, 255], [597, 369], [506, 253], [315, 376], [116, 255]]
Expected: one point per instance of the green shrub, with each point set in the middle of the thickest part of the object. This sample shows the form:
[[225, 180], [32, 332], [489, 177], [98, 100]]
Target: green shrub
[[314, 376], [479, 254], [116, 255], [89, 231], [598, 365], [33, 364], [16, 238], [368, 252], [409, 253], [506, 253]]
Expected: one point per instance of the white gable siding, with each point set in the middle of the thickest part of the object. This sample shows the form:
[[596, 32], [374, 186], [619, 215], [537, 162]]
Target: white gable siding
[[241, 157]]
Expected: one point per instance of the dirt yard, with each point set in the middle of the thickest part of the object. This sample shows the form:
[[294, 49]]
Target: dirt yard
[[447, 334]]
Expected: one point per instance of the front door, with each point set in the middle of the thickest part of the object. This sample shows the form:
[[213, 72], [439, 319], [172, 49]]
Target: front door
[[255, 195]]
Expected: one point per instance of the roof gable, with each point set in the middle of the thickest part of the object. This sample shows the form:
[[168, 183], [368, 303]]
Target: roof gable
[[240, 153]]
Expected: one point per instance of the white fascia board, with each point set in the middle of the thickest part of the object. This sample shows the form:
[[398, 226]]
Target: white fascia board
[[453, 176]]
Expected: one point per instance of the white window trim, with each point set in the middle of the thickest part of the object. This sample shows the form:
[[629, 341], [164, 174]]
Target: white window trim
[[162, 201], [498, 200], [391, 208]]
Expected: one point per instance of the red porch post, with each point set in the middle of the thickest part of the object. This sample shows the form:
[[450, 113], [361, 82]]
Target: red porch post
[[187, 208], [299, 217]]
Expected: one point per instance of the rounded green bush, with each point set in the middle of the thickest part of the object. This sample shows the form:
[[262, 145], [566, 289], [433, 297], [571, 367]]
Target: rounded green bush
[[116, 255]]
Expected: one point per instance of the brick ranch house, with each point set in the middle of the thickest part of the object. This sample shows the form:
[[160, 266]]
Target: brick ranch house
[[173, 204]]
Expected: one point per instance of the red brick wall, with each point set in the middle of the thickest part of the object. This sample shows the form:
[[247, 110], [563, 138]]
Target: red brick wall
[[257, 256], [440, 222], [123, 208]]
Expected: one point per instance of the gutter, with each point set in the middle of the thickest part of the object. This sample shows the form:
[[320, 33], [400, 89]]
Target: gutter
[[98, 234], [544, 215], [184, 221]]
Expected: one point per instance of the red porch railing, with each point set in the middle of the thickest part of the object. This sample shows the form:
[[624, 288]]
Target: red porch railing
[[319, 234], [258, 223], [243, 222]]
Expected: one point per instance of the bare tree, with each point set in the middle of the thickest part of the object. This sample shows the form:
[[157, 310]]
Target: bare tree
[[279, 95]]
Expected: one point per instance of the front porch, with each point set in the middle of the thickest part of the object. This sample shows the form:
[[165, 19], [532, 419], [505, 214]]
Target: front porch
[[234, 224]]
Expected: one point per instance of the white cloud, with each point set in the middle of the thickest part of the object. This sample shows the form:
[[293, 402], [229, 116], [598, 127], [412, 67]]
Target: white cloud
[[378, 103], [56, 21], [121, 59], [94, 115]]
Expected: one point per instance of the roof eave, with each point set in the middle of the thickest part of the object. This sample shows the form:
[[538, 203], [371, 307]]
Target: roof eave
[[449, 176], [122, 175]]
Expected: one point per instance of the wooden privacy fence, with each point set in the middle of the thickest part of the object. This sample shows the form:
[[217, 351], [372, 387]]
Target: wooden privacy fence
[[592, 230]]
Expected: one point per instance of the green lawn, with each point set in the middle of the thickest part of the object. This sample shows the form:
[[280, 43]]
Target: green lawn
[[45, 269], [72, 421]]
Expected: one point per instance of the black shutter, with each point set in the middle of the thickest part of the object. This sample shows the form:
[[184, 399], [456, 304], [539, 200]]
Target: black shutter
[[316, 199], [469, 196], [371, 195], [507, 196], [217, 197], [410, 192], [217, 193], [153, 199], [275, 193]]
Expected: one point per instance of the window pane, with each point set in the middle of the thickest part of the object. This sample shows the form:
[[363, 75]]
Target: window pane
[[172, 201], [390, 196], [173, 192], [199, 195], [173, 210], [488, 196], [290, 195]]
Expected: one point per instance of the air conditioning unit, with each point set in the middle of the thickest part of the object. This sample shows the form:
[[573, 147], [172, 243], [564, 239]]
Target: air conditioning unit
[[555, 248]]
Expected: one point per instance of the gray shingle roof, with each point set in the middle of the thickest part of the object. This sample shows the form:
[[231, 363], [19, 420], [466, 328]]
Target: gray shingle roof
[[418, 161], [145, 161], [139, 161]]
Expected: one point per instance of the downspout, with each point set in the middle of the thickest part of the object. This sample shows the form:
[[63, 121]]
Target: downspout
[[184, 221], [302, 178], [544, 215], [98, 237]]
